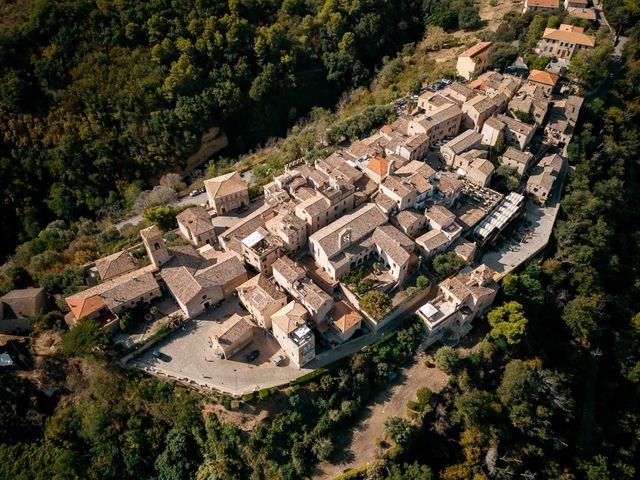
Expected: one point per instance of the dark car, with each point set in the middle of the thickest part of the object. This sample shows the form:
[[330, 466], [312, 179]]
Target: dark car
[[161, 356], [253, 355]]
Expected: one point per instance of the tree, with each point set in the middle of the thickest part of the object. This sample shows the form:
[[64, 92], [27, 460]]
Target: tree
[[172, 180], [583, 317], [322, 448], [501, 56], [126, 320], [524, 117], [422, 282], [413, 471], [150, 198], [508, 323], [447, 359], [177, 461], [51, 319], [473, 408], [469, 18], [398, 429], [13, 277], [375, 303], [524, 288], [86, 338], [446, 264], [505, 179], [591, 65], [164, 217]]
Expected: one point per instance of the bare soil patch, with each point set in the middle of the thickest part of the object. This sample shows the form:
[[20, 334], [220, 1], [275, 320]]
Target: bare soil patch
[[359, 446]]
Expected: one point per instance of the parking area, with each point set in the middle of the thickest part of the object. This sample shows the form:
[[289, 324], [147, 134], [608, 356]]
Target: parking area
[[529, 238], [190, 358]]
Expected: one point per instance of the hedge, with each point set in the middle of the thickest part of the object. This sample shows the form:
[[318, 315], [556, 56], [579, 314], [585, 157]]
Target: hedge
[[309, 376], [356, 473]]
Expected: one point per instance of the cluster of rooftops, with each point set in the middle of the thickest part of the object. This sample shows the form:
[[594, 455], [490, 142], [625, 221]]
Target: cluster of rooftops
[[379, 200]]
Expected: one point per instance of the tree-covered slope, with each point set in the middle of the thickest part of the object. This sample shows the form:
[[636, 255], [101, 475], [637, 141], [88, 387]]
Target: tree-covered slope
[[97, 94]]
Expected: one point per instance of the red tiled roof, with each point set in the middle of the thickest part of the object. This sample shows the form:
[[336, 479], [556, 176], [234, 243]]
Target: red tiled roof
[[476, 49], [83, 307], [568, 33], [379, 166], [544, 77]]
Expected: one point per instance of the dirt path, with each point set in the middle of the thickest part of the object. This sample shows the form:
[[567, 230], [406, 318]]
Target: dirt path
[[361, 448]]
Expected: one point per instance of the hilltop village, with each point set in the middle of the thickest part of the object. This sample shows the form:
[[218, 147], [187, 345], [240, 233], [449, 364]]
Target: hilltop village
[[346, 246]]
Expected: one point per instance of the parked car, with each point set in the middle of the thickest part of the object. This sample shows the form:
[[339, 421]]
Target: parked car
[[446, 81], [253, 355], [193, 193], [161, 356], [279, 360]]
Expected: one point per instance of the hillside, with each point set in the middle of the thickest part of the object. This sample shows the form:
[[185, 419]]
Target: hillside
[[100, 98]]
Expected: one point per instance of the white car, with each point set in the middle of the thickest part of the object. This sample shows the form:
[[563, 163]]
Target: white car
[[279, 360]]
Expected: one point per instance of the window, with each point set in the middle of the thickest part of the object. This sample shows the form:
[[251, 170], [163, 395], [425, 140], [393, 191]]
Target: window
[[156, 246]]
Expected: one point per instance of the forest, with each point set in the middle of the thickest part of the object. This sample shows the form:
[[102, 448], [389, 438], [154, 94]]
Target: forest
[[99, 98]]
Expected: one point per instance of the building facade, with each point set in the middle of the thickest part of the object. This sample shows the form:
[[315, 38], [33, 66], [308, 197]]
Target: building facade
[[227, 193]]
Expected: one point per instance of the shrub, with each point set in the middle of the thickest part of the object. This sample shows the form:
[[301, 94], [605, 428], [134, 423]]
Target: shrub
[[86, 338], [447, 359], [264, 393], [309, 376], [247, 397], [51, 319]]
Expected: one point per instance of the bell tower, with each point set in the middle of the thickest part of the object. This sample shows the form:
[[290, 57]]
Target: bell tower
[[155, 246]]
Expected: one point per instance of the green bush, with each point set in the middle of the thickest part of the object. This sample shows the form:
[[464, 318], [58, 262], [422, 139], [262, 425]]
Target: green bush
[[264, 393], [247, 397], [86, 338]]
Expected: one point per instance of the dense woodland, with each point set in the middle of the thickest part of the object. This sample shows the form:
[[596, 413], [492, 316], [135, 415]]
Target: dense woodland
[[553, 391], [100, 97]]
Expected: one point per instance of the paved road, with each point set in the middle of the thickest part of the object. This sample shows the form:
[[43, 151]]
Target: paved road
[[181, 202], [602, 20]]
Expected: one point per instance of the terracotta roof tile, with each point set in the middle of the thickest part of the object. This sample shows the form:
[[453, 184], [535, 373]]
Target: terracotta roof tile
[[379, 166], [544, 77], [477, 49], [344, 317], [571, 34]]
